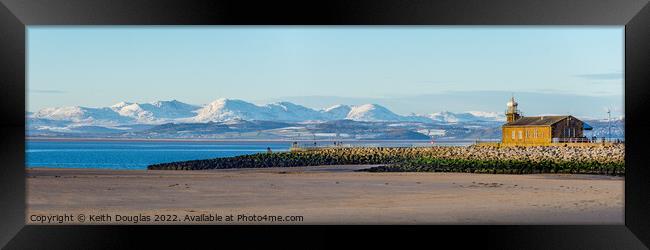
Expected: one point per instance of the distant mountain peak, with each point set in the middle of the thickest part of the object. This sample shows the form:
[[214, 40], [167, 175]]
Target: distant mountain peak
[[372, 112], [121, 104], [173, 102]]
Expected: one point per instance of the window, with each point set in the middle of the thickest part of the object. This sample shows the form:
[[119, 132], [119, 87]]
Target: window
[[520, 134], [513, 134]]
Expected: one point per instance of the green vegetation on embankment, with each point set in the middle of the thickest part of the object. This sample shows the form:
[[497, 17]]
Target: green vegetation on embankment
[[502, 166], [607, 159]]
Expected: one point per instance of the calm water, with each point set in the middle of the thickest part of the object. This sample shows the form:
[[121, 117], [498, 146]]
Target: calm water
[[139, 154]]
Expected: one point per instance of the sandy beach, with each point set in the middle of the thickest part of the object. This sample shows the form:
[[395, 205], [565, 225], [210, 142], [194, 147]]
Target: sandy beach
[[318, 195]]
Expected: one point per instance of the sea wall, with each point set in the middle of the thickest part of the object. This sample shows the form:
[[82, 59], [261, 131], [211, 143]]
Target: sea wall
[[545, 158]]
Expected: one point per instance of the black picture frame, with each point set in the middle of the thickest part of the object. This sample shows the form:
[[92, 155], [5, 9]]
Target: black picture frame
[[15, 15]]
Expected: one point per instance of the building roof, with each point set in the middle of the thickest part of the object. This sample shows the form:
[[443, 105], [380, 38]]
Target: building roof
[[537, 120]]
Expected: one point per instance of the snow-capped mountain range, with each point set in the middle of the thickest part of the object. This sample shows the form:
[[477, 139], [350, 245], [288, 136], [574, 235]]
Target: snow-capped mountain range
[[220, 110], [119, 114]]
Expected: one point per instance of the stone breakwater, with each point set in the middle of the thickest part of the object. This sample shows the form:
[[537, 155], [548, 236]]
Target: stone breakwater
[[594, 152], [438, 158]]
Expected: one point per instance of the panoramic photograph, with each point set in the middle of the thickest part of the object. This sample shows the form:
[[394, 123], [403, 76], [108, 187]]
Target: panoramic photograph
[[325, 125]]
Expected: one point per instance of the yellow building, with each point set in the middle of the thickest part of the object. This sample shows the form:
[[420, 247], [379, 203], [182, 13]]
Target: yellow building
[[540, 129]]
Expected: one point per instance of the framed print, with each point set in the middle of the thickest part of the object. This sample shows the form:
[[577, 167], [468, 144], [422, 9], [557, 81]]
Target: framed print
[[486, 119]]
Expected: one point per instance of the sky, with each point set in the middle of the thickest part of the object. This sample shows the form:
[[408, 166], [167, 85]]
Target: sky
[[408, 69]]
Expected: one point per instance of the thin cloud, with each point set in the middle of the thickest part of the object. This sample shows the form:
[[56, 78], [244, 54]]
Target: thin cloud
[[435, 82], [602, 76], [47, 91], [550, 91]]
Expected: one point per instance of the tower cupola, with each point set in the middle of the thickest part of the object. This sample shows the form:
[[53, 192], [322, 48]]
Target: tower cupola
[[512, 113]]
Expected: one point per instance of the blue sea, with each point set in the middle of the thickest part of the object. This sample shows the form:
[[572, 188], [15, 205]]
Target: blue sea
[[139, 154]]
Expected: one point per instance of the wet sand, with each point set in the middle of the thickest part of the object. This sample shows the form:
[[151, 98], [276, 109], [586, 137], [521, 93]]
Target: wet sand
[[321, 195]]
